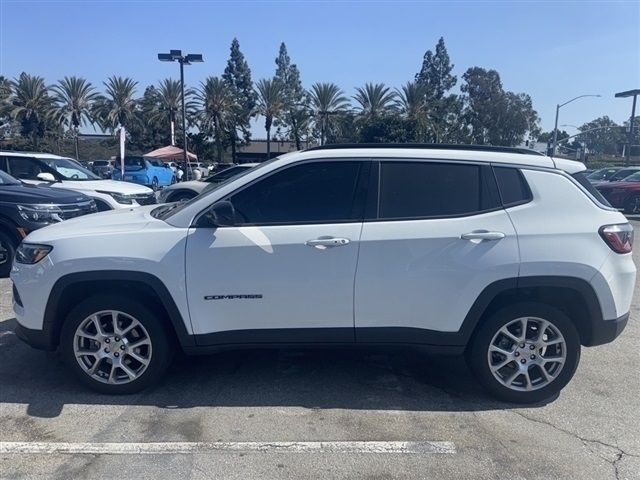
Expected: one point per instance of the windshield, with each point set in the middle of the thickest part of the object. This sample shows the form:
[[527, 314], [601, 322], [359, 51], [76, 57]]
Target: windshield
[[226, 174], [6, 179], [68, 169], [624, 173], [602, 173], [166, 211], [633, 178]]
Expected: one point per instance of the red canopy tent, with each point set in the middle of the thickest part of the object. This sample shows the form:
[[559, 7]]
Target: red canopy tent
[[170, 152]]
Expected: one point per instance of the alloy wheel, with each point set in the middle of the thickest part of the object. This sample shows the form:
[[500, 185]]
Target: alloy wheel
[[527, 354], [112, 347]]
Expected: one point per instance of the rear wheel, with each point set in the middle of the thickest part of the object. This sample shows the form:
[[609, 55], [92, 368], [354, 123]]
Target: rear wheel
[[115, 344], [7, 253], [525, 353]]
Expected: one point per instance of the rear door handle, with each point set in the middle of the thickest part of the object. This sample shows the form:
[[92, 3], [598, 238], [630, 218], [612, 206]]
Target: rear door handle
[[322, 243], [482, 235]]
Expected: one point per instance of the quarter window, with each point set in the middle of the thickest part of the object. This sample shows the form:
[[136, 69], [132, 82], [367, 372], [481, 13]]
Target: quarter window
[[320, 192], [426, 189], [512, 185]]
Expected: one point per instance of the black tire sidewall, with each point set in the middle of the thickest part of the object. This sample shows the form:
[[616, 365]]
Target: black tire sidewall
[[9, 244], [477, 354], [154, 184], [161, 346]]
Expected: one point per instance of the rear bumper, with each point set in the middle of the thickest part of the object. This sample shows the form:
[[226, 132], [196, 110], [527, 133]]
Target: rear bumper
[[40, 339], [607, 331]]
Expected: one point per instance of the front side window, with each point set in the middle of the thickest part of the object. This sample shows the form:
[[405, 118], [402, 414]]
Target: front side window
[[66, 168], [425, 189], [320, 192]]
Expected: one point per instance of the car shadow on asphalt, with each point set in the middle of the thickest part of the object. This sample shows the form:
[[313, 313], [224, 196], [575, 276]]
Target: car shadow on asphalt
[[367, 379]]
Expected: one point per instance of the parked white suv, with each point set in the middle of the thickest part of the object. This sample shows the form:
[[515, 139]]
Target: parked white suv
[[62, 172], [507, 256]]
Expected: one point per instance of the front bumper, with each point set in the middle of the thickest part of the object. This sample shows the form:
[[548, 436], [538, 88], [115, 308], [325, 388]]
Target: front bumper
[[607, 331]]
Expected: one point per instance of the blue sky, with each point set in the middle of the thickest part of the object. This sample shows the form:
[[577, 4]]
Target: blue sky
[[550, 50]]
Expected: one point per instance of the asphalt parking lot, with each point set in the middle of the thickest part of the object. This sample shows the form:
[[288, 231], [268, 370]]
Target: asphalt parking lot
[[326, 413]]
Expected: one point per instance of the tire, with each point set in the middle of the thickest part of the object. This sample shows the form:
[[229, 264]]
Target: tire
[[156, 347], [173, 179], [632, 205], [182, 196], [559, 329], [7, 254], [154, 184]]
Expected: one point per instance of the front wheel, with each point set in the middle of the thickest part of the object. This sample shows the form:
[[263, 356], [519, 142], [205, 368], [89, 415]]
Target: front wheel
[[115, 344], [154, 184], [525, 353]]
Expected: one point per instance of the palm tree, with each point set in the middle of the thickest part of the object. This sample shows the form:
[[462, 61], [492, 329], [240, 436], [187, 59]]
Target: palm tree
[[74, 99], [271, 101], [375, 99], [411, 101], [327, 99], [170, 103], [31, 105], [118, 107], [216, 106]]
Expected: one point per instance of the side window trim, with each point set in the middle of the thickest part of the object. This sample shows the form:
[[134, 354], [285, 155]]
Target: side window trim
[[486, 174], [361, 182]]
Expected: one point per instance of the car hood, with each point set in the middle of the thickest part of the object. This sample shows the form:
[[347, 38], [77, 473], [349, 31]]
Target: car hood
[[33, 194], [112, 222], [124, 188]]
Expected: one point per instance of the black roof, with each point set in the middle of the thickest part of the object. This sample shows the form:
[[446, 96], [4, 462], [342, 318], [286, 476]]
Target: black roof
[[428, 146]]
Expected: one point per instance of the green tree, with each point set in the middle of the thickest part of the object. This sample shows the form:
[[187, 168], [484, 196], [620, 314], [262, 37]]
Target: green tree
[[31, 107], [148, 129], [436, 78], [6, 91], [295, 114], [216, 109], [118, 107], [375, 99], [411, 103], [387, 129], [327, 101], [496, 117], [603, 136], [237, 76], [169, 105], [271, 102], [74, 98]]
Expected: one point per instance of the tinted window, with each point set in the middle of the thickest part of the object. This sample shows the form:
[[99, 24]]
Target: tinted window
[[584, 181], [512, 185], [621, 174], [319, 192], [25, 168], [421, 189]]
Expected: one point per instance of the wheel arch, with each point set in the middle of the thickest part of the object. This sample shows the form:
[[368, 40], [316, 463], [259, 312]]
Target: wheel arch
[[72, 288], [575, 297]]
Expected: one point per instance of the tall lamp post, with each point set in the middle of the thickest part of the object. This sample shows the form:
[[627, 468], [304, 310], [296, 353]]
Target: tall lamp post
[[634, 94], [188, 59], [555, 128]]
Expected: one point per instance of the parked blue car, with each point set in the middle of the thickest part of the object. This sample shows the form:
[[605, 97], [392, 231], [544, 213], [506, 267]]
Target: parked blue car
[[145, 171]]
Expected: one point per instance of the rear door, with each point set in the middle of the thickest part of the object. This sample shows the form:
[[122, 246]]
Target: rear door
[[438, 238]]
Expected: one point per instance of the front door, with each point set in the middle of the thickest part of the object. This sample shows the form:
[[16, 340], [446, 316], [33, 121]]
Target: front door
[[285, 271]]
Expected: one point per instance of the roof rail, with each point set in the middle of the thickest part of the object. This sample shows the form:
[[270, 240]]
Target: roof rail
[[429, 146]]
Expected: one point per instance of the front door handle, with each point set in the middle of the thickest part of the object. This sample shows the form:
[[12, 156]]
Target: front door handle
[[482, 235], [322, 243]]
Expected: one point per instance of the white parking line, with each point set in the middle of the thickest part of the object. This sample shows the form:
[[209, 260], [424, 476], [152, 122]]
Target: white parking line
[[156, 448]]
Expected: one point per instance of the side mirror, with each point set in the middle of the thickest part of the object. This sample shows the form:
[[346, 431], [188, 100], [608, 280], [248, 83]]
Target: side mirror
[[46, 176], [220, 214]]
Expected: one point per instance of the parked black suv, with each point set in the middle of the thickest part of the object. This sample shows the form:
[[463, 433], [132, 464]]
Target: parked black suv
[[24, 208]]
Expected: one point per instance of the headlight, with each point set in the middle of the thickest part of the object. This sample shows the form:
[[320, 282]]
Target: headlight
[[118, 197], [30, 253], [40, 213]]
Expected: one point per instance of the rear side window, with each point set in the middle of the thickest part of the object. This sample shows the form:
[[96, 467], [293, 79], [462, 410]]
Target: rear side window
[[582, 179], [512, 185], [424, 189]]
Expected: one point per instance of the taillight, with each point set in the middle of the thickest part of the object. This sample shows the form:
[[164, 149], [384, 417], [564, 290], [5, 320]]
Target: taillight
[[619, 237]]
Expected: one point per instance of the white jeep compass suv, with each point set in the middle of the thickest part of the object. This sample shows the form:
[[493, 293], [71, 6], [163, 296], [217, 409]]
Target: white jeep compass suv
[[507, 256]]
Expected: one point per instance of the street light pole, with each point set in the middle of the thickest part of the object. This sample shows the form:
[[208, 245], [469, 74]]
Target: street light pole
[[634, 94], [176, 56], [555, 128]]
